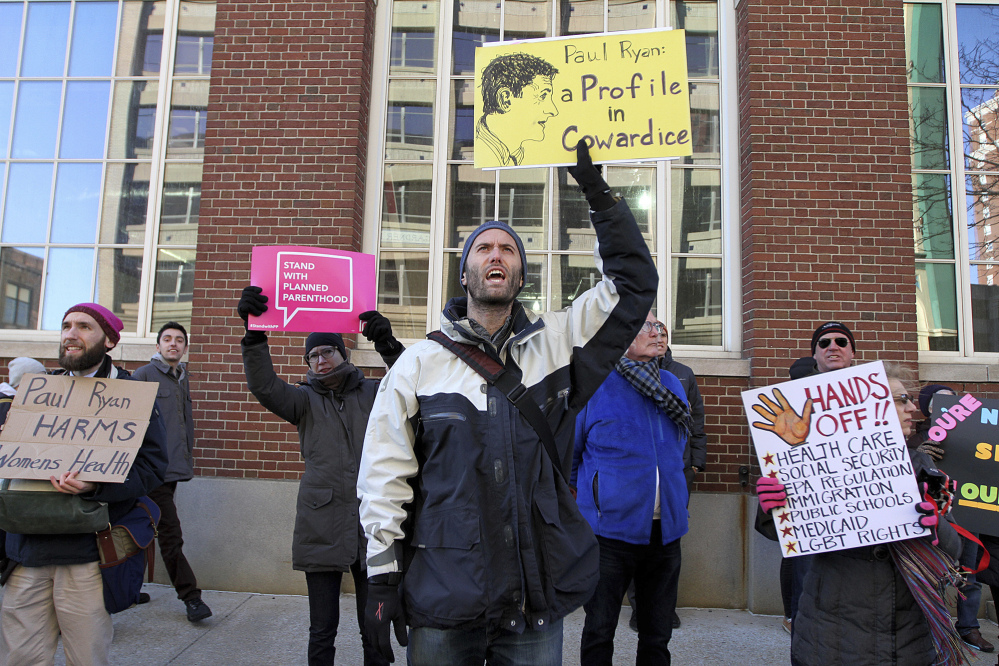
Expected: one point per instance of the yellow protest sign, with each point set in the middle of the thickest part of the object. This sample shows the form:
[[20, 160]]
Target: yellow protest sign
[[624, 93], [59, 423]]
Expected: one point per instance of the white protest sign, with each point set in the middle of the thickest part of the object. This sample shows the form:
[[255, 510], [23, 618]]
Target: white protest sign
[[59, 423], [835, 442]]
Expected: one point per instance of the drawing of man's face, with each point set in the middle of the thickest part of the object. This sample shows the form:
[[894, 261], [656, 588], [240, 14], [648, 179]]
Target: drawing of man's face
[[532, 109]]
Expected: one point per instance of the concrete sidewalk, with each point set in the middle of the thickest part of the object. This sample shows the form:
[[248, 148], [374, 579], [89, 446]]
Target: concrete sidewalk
[[269, 629]]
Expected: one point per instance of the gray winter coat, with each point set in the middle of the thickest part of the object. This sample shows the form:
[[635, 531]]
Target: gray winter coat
[[174, 400], [856, 608], [331, 432]]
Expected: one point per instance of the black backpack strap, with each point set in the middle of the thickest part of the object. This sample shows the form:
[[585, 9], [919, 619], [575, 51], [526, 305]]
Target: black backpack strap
[[510, 386]]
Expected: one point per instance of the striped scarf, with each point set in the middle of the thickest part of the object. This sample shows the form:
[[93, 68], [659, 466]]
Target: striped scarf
[[645, 378]]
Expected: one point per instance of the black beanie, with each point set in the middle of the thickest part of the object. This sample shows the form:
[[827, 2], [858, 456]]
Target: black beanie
[[329, 339], [832, 327]]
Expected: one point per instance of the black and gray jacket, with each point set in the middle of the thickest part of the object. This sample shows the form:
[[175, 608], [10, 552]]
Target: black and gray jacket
[[174, 400], [495, 538]]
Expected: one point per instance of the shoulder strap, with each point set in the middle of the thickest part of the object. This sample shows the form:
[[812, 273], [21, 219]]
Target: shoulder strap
[[509, 385]]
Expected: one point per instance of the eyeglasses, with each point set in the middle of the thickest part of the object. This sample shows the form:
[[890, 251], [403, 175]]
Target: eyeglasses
[[650, 326], [904, 398], [312, 358], [840, 342]]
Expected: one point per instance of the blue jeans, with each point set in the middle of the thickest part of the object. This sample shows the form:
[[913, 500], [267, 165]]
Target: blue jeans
[[324, 615], [967, 609], [473, 647], [656, 570]]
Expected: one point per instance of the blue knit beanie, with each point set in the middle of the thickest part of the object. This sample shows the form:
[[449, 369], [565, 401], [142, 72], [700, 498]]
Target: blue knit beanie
[[486, 226]]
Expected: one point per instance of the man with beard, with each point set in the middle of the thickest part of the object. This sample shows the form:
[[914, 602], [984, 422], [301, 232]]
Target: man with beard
[[174, 400], [496, 552], [330, 410], [53, 583]]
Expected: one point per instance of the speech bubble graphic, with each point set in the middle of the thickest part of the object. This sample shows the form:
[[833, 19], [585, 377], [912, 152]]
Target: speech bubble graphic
[[312, 282]]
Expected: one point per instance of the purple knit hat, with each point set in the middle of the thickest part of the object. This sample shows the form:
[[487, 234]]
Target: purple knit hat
[[106, 319]]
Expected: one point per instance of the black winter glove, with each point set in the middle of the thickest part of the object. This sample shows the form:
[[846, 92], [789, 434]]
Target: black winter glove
[[252, 302], [378, 330], [384, 608], [591, 182]]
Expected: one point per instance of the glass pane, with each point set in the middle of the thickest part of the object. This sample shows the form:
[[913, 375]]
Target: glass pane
[[84, 120], [414, 38], [409, 132], [181, 204], [406, 210], [471, 200], [476, 22], [571, 276], [403, 281], [26, 206], [523, 204], [700, 20], [985, 307], [36, 121], [695, 198], [77, 203], [126, 195], [983, 216], [932, 216], [188, 118], [118, 277], [533, 296], [705, 125], [133, 119], [10, 36], [980, 109], [581, 17], [574, 231], [94, 27], [173, 293], [140, 46], [630, 15], [68, 279], [977, 27], [928, 128], [924, 47], [195, 38], [21, 281], [637, 186], [6, 104], [526, 19], [936, 307], [45, 39], [462, 122], [697, 301]]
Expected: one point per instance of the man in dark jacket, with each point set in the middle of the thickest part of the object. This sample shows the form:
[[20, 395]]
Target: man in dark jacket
[[56, 586], [330, 409], [174, 400], [497, 550]]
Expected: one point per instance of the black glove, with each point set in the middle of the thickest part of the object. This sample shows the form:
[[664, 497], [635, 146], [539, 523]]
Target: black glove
[[378, 330], [252, 302], [384, 608], [591, 182]]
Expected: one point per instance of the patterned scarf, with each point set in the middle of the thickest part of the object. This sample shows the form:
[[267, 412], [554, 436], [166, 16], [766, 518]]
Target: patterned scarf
[[645, 378]]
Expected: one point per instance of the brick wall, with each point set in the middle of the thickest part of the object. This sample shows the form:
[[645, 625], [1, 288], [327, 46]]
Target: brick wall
[[826, 192], [284, 164]]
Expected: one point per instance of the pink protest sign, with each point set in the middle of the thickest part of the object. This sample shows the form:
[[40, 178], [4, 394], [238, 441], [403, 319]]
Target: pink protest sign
[[312, 289]]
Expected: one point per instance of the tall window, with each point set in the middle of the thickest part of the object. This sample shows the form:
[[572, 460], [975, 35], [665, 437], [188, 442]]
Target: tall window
[[431, 197], [102, 123], [953, 73]]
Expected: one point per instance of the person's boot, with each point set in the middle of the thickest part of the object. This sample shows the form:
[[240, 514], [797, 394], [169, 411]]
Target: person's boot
[[197, 610], [974, 638]]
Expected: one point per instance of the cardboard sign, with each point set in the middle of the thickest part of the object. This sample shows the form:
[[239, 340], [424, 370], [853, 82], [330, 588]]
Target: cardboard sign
[[312, 289], [835, 442], [968, 430], [624, 93], [59, 423]]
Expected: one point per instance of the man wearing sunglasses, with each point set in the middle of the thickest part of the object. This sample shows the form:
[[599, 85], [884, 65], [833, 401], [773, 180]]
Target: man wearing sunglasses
[[832, 347], [330, 409]]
